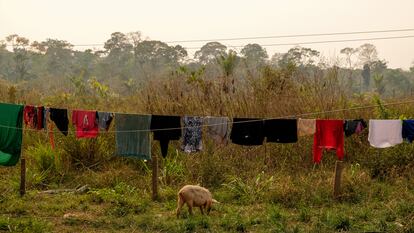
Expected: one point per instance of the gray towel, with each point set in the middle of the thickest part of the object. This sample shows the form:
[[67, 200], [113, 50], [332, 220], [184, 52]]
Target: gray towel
[[217, 129], [133, 135], [105, 119]]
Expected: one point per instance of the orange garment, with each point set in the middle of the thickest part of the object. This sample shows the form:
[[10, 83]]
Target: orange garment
[[51, 136], [329, 135]]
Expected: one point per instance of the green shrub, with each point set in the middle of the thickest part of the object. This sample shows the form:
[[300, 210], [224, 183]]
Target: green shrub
[[88, 153], [173, 170], [25, 225], [252, 190], [47, 163]]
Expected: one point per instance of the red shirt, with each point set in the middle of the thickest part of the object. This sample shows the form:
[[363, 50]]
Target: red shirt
[[40, 117], [86, 123], [29, 116], [329, 135]]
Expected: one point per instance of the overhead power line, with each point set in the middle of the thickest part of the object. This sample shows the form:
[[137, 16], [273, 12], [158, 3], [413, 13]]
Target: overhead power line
[[321, 42], [293, 36], [285, 36]]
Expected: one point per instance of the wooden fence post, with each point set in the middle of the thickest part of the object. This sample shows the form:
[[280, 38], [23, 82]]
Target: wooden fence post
[[154, 177], [22, 176], [337, 179]]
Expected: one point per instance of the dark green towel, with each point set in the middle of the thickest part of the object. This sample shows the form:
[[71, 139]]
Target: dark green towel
[[130, 141], [11, 120]]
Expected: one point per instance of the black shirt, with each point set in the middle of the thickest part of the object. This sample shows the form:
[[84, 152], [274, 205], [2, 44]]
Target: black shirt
[[60, 117], [249, 133], [281, 130]]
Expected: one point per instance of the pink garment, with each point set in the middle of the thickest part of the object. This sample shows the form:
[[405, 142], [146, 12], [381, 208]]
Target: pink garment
[[359, 128], [86, 123]]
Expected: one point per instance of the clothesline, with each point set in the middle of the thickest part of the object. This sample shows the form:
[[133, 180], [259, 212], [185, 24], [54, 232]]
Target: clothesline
[[328, 133], [244, 121]]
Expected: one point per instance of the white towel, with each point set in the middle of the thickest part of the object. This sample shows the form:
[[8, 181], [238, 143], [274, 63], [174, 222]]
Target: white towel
[[385, 133]]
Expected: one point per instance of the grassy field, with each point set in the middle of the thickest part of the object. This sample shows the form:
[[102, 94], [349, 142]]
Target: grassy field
[[254, 196]]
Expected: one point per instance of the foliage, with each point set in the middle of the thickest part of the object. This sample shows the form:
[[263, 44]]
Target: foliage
[[88, 153], [271, 188], [49, 166], [252, 190]]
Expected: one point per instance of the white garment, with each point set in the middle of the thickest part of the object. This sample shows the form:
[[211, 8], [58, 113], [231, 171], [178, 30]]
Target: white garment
[[385, 133]]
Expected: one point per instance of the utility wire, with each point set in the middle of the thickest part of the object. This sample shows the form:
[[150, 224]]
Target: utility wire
[[281, 36], [292, 36], [323, 41], [238, 122]]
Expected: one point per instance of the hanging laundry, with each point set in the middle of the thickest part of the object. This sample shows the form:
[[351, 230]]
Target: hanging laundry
[[132, 135], [60, 117], [48, 127], [385, 133], [217, 129], [247, 131], [354, 126], [329, 135], [46, 117], [30, 116], [51, 136], [40, 112], [281, 130], [408, 130], [360, 127], [160, 124], [86, 123], [306, 127], [192, 134], [11, 122], [105, 119]]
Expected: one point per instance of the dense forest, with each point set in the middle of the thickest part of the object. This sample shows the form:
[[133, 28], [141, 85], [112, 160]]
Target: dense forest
[[128, 60]]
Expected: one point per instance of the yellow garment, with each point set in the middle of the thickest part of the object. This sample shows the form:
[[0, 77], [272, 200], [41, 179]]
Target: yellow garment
[[306, 127]]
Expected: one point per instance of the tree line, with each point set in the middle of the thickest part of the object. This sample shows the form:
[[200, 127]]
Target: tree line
[[128, 60]]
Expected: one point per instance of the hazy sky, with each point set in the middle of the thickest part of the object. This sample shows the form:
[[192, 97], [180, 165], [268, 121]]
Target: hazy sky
[[92, 21]]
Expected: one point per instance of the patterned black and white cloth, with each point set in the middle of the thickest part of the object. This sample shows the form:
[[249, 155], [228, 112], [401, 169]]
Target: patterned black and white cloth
[[192, 134]]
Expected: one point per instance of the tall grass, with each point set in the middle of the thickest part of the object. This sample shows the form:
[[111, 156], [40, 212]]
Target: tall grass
[[274, 93]]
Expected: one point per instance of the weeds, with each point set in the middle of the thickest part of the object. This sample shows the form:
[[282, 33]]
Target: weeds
[[272, 188]]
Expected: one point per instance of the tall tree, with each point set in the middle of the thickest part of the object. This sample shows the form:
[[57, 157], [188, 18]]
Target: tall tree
[[85, 62], [276, 59], [254, 57], [117, 44], [349, 53], [158, 54], [228, 63], [254, 54], [58, 55], [21, 56], [119, 56], [350, 63], [210, 52], [300, 56], [135, 38], [367, 54], [6, 58], [366, 75]]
